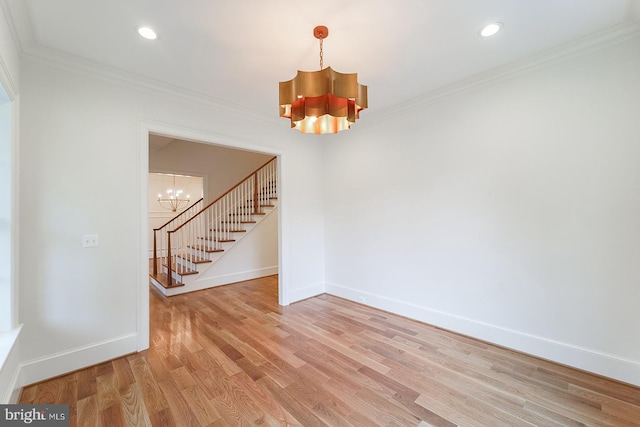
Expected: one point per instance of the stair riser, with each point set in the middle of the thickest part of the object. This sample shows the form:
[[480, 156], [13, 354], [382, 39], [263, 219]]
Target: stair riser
[[198, 263], [174, 275], [200, 267], [222, 245], [188, 264]]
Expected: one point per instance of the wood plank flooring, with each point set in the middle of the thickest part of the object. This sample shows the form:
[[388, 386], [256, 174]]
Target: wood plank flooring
[[231, 356]]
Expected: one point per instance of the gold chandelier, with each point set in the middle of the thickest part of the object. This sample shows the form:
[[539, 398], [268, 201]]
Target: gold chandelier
[[322, 101], [174, 200]]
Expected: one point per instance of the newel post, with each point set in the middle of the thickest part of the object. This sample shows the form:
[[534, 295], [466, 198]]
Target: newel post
[[155, 253]]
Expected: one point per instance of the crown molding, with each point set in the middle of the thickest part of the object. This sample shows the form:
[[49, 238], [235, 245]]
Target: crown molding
[[23, 33], [19, 20], [585, 45], [71, 63], [8, 81]]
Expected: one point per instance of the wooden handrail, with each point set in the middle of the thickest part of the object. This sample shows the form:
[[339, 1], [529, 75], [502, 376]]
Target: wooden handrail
[[175, 217], [155, 230], [227, 192]]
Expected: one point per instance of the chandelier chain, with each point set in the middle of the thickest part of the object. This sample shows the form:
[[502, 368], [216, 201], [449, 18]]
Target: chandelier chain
[[321, 54]]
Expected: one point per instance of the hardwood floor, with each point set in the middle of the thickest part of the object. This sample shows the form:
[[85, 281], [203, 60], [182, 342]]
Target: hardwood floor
[[231, 356]]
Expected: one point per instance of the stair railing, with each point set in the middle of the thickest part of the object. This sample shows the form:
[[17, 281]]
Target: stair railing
[[161, 243], [215, 224]]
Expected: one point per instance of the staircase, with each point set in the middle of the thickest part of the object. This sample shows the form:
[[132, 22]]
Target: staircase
[[193, 242]]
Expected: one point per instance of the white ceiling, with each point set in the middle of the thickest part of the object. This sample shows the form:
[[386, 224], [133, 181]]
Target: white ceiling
[[237, 51]]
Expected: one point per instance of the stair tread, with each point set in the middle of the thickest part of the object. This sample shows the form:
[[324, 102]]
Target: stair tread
[[238, 222], [217, 240], [180, 269], [194, 259], [163, 279], [205, 248], [228, 231]]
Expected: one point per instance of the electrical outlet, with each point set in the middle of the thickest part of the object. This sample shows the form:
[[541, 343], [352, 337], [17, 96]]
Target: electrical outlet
[[89, 240]]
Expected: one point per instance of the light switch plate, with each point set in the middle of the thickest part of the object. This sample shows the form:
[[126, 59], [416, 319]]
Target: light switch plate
[[89, 240]]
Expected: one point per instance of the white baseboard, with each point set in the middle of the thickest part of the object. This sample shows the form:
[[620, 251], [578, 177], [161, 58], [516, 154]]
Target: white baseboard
[[61, 363], [306, 292], [17, 391], [225, 279], [600, 363], [158, 286]]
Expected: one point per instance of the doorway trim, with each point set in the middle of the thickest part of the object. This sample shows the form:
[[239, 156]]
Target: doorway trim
[[147, 127]]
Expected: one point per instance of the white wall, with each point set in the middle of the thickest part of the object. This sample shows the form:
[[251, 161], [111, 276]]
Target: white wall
[[509, 212], [222, 167], [634, 7], [83, 145]]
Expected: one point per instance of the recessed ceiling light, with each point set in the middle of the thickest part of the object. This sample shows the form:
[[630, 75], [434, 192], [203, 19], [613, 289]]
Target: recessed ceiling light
[[491, 29], [147, 33]]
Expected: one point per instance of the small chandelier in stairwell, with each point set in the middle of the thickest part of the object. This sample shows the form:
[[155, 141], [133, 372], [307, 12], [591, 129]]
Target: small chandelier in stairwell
[[174, 200], [322, 101]]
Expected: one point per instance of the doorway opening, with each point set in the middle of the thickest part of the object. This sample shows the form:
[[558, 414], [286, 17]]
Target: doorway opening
[[221, 161]]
